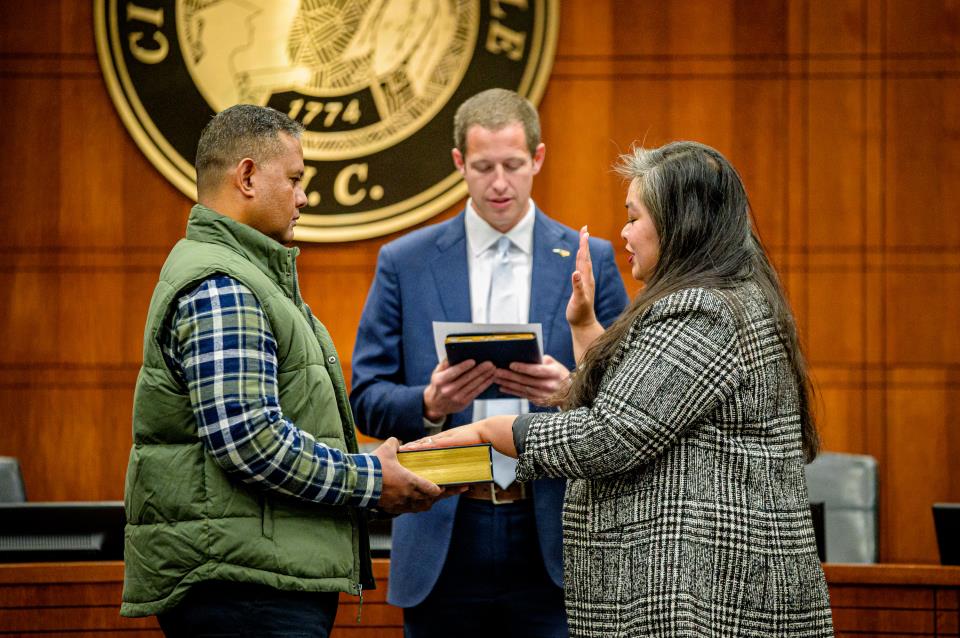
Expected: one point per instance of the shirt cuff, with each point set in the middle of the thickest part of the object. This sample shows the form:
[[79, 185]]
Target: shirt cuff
[[520, 426], [433, 427], [369, 484]]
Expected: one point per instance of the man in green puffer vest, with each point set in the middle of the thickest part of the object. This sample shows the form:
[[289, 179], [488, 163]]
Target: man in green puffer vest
[[245, 494]]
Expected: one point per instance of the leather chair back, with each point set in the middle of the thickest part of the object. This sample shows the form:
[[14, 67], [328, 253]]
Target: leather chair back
[[847, 486], [11, 481]]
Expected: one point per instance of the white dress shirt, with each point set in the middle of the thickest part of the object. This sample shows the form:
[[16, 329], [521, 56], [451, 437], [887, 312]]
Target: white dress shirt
[[481, 252], [481, 243]]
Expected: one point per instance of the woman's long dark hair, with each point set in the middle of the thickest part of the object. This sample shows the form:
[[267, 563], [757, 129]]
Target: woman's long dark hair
[[702, 215]]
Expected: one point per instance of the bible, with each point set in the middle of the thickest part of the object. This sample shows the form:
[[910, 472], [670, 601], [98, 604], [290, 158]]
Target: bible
[[500, 348], [450, 465]]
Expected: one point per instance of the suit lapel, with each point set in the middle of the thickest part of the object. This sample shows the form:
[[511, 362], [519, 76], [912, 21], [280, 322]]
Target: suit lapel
[[551, 272], [451, 273]]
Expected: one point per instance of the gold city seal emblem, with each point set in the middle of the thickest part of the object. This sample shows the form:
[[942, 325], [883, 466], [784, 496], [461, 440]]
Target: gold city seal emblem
[[374, 82]]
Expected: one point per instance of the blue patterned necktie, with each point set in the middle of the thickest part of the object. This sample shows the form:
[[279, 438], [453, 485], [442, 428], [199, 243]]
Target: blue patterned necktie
[[502, 308]]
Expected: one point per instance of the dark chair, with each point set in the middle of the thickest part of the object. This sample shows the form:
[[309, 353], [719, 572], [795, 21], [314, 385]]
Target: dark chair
[[946, 521], [816, 513], [846, 484], [11, 481]]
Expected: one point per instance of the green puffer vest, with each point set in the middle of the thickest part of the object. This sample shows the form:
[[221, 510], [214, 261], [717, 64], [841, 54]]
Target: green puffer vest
[[187, 521]]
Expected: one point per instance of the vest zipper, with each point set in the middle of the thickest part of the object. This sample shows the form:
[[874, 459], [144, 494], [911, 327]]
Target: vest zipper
[[360, 606], [292, 273]]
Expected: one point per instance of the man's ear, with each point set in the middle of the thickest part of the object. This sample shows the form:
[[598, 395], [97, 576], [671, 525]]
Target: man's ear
[[538, 156], [243, 177], [458, 160]]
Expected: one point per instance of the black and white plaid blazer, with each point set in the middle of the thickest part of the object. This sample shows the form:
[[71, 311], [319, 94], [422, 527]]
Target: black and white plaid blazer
[[687, 512]]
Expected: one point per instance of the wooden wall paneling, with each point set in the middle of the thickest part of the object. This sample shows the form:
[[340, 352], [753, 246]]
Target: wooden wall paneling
[[710, 117], [47, 29], [836, 27], [843, 118], [922, 27], [698, 28], [30, 106], [91, 202], [920, 245], [837, 129], [576, 185], [922, 300], [922, 305], [153, 214], [76, 29], [828, 212], [840, 405], [874, 229], [587, 28], [836, 338], [760, 128], [875, 354], [31, 317], [922, 466], [788, 249], [33, 28], [94, 312], [575, 103], [71, 434], [923, 158], [834, 216], [640, 107], [761, 27]]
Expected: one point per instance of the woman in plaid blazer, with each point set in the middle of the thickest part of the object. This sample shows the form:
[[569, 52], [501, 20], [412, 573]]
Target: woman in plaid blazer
[[686, 427]]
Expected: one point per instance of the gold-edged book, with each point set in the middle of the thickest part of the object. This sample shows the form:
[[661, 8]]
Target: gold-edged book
[[451, 465], [500, 348]]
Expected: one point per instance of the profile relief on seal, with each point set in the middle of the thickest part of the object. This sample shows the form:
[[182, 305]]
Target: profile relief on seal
[[247, 50]]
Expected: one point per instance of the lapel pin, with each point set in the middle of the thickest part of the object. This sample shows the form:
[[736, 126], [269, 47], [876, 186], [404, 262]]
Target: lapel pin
[[563, 252]]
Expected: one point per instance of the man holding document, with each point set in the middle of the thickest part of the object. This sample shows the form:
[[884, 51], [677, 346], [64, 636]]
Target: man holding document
[[489, 561]]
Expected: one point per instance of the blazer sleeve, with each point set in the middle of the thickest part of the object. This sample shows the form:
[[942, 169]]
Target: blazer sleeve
[[383, 405], [610, 297], [679, 365]]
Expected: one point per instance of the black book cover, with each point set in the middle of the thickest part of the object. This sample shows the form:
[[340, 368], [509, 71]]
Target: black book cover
[[500, 348]]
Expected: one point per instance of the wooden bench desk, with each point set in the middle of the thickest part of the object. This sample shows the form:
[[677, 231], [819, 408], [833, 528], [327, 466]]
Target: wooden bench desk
[[82, 600], [894, 600]]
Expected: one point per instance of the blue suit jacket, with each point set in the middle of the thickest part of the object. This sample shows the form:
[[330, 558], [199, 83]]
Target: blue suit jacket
[[421, 278]]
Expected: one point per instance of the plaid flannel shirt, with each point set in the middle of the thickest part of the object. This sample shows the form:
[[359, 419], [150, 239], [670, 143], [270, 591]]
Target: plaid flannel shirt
[[219, 345]]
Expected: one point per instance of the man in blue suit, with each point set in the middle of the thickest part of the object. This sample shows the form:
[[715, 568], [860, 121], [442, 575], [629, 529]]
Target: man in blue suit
[[486, 563]]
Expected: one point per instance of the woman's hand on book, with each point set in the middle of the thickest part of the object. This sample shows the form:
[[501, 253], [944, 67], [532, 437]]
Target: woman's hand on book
[[496, 430], [463, 435]]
